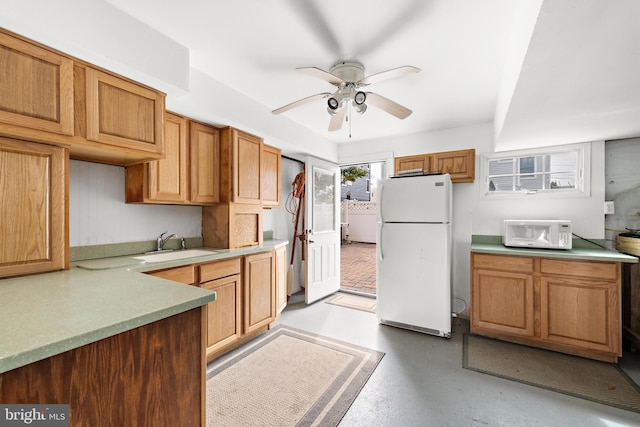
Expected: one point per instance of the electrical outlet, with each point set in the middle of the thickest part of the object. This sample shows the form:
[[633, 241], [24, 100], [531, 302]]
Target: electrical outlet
[[609, 207]]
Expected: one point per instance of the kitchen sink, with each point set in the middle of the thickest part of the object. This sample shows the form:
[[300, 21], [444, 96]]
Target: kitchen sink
[[172, 256]]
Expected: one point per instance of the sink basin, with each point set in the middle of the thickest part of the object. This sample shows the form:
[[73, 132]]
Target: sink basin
[[172, 256]]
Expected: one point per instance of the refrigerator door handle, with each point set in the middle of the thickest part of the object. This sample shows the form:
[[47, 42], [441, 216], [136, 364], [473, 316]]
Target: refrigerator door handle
[[380, 253], [380, 202]]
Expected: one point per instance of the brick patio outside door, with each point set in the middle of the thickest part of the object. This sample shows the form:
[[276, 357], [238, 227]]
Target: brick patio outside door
[[358, 267]]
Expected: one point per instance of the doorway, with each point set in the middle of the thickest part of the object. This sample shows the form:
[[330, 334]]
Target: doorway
[[359, 185]]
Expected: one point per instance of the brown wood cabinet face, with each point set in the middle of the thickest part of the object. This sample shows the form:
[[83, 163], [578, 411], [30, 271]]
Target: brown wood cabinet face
[[184, 274], [150, 376], [259, 292], [271, 172], [572, 306], [580, 312], [168, 177], [281, 279], [247, 161], [406, 163], [36, 87], [122, 113], [460, 165], [503, 301], [204, 144], [224, 315], [33, 208]]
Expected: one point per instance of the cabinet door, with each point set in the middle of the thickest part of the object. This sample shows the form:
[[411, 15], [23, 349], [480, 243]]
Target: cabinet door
[[33, 208], [580, 312], [36, 87], [204, 144], [258, 291], [271, 181], [224, 315], [460, 164], [281, 279], [247, 167], [503, 302], [168, 177], [122, 113], [419, 162]]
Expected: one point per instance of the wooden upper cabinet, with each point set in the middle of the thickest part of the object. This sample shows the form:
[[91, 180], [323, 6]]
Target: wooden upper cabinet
[[241, 167], [36, 88], [204, 143], [418, 162], [459, 164], [123, 113], [53, 98], [162, 181], [33, 208], [271, 172]]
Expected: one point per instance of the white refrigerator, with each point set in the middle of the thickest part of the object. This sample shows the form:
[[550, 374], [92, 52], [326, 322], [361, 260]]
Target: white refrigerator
[[413, 267]]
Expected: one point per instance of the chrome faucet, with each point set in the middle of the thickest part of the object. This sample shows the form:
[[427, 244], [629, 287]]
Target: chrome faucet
[[161, 241]]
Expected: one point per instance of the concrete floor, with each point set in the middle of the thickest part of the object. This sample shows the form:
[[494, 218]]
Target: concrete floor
[[420, 380]]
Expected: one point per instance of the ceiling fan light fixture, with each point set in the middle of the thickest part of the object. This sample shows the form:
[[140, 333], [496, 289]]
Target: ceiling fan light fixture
[[360, 108], [359, 98], [333, 104], [331, 112]]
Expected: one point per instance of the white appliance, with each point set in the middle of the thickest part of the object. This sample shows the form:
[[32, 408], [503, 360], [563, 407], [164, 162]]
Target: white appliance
[[548, 234], [413, 268]]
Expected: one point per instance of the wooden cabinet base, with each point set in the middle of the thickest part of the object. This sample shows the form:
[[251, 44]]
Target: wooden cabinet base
[[153, 376], [570, 306]]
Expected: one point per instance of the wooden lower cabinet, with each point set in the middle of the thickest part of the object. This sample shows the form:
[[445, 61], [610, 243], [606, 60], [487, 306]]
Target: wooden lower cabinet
[[153, 375], [224, 315], [250, 293], [571, 306], [259, 291], [281, 279]]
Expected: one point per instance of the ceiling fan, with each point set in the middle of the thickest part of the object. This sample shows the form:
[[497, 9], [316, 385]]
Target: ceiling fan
[[349, 79]]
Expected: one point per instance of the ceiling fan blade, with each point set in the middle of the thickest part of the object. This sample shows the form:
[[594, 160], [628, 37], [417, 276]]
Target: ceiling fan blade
[[389, 74], [337, 119], [388, 105], [322, 74], [301, 102]]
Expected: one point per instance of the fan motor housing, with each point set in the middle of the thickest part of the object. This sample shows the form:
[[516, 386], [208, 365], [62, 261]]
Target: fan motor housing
[[349, 71]]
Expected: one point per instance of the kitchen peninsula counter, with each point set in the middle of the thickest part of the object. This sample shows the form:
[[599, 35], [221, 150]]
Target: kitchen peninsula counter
[[47, 314]]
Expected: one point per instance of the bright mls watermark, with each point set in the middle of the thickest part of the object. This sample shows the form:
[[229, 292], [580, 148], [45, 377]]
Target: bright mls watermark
[[34, 415]]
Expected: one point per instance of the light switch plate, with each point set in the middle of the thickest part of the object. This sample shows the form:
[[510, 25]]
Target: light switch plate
[[609, 207]]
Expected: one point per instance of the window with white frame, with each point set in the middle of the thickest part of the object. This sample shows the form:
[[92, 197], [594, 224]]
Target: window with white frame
[[547, 172]]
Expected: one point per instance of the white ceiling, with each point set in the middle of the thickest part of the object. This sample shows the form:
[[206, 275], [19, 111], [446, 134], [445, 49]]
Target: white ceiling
[[547, 72]]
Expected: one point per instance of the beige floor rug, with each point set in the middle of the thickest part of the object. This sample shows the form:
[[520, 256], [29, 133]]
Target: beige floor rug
[[287, 377], [354, 301], [588, 379]]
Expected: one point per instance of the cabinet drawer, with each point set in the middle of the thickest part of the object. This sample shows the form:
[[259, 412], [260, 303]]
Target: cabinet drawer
[[592, 270], [219, 269], [503, 262], [184, 275]]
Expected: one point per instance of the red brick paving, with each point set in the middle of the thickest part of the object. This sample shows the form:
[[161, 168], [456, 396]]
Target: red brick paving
[[358, 267]]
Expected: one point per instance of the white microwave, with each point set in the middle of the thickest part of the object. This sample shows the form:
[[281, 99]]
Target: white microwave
[[549, 234]]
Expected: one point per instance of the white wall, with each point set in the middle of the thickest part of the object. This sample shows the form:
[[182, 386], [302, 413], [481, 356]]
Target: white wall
[[99, 215], [471, 215]]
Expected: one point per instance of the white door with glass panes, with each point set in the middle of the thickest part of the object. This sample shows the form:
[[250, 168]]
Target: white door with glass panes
[[322, 229]]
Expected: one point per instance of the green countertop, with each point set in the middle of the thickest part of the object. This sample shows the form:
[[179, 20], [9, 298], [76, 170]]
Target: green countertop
[[589, 252], [46, 314]]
